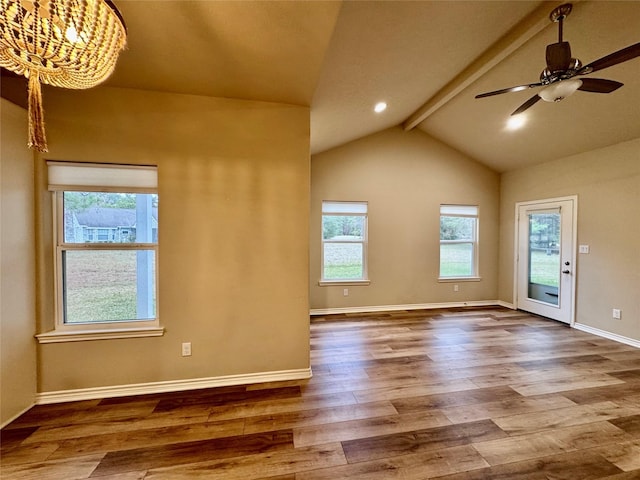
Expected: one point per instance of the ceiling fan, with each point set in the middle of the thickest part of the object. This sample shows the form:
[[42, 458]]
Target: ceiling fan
[[558, 77]]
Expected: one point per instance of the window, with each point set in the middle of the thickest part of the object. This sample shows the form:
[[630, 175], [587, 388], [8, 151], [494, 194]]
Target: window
[[103, 233], [105, 280], [458, 241], [344, 241]]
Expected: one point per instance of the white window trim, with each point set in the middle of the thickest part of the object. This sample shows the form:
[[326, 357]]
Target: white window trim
[[459, 279], [365, 244], [327, 283], [58, 336], [65, 332], [475, 274]]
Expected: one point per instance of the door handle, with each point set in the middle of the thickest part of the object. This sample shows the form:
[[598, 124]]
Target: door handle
[[566, 271]]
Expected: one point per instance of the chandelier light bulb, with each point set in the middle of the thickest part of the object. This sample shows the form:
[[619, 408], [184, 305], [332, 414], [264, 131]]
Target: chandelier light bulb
[[72, 34]]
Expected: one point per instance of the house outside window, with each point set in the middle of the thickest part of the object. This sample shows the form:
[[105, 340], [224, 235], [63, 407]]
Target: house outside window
[[458, 242], [105, 279], [344, 241]]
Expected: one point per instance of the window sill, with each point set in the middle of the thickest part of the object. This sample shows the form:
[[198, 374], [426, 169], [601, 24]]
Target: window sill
[[58, 336], [329, 283], [459, 279]]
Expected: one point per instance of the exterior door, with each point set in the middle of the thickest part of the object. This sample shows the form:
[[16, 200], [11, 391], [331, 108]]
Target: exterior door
[[545, 258]]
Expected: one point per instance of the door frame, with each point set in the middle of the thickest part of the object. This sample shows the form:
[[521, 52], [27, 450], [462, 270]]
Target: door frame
[[574, 248]]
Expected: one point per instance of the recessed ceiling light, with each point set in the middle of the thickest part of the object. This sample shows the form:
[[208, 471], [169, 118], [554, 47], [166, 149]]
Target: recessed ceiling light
[[380, 107], [516, 121]]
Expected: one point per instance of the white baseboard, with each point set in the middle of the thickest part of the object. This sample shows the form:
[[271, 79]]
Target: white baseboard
[[169, 386], [22, 412], [603, 333], [507, 305], [412, 306]]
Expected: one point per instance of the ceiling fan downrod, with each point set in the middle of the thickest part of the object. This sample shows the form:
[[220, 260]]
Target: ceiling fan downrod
[[558, 15]]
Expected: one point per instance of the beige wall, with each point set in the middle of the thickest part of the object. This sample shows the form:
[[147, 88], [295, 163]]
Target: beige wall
[[234, 232], [17, 291], [404, 176], [233, 261], [607, 183]]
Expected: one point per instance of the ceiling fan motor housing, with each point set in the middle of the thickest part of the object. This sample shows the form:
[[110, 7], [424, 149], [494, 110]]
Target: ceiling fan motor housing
[[560, 64], [558, 56]]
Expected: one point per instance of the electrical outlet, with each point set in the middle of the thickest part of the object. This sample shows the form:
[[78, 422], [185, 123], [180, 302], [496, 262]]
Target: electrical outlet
[[617, 313], [345, 292], [456, 288], [186, 349], [583, 249]]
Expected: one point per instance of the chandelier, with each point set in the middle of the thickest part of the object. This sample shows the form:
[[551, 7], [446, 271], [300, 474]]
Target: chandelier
[[64, 43]]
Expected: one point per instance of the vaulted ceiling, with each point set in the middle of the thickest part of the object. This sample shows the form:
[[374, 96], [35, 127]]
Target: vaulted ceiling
[[426, 59]]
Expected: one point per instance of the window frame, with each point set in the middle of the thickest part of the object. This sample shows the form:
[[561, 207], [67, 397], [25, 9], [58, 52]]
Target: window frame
[[364, 280], [475, 249], [64, 332]]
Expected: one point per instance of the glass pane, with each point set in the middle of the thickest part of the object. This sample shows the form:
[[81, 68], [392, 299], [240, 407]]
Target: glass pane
[[96, 217], [456, 259], [343, 228], [343, 261], [457, 228], [544, 257], [109, 285]]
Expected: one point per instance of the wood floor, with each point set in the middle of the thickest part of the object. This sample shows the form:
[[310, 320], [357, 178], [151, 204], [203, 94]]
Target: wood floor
[[459, 394]]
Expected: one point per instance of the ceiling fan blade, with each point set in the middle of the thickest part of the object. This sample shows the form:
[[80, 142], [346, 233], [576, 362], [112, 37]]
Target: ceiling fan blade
[[599, 85], [529, 103], [632, 51], [518, 88]]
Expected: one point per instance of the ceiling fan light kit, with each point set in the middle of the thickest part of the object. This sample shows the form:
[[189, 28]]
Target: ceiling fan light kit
[[560, 90], [65, 43], [558, 77]]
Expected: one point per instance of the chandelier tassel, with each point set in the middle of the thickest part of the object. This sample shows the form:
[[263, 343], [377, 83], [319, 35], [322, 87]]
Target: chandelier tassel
[[37, 137]]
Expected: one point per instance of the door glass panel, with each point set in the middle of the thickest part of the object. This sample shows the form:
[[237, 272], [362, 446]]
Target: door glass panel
[[544, 257]]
